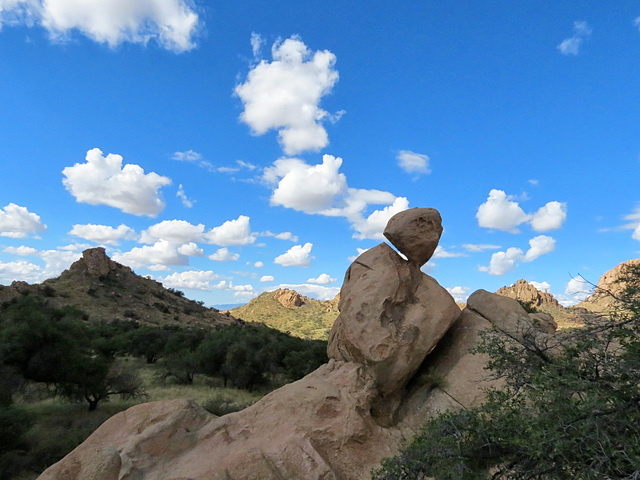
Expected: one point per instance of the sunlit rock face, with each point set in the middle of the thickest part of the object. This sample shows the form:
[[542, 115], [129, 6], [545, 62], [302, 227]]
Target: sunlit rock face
[[395, 324]]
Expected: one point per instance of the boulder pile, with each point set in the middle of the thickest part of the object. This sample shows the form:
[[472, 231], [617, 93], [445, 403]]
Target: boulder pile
[[397, 330]]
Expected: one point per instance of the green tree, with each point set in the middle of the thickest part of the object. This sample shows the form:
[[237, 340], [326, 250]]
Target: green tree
[[54, 346], [568, 410]]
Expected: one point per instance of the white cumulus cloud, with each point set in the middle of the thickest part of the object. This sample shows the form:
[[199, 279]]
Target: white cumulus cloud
[[267, 278], [323, 190], [162, 253], [285, 95], [296, 256], [171, 23], [323, 279], [21, 270], [104, 181], [412, 162], [306, 188], [459, 294], [224, 255], [503, 262], [175, 231], [21, 251], [501, 212], [232, 232], [571, 45], [549, 217], [18, 222], [103, 234], [191, 280]]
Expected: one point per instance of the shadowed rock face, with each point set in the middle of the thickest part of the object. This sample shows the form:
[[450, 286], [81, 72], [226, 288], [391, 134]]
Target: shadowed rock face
[[338, 422]]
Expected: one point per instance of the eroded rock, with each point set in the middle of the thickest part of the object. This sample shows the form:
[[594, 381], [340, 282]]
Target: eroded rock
[[415, 233]]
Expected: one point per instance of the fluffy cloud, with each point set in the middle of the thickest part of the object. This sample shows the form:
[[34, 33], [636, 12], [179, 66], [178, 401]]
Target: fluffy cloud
[[538, 246], [21, 251], [542, 286], [18, 222], [285, 95], [21, 270], [323, 279], [501, 212], [306, 188], [258, 264], [571, 45], [296, 256], [267, 278], [503, 262], [161, 253], [459, 294], [412, 162], [549, 217], [103, 234], [224, 255], [176, 231], [191, 280], [281, 236], [171, 23], [321, 189], [636, 233], [232, 232], [372, 226], [104, 181]]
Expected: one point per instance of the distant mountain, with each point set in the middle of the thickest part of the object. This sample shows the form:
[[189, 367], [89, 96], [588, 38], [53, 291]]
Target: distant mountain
[[289, 311], [527, 293], [108, 291]]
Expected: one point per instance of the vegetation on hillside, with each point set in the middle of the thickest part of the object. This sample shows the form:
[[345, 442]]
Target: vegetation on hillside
[[569, 408], [57, 355], [311, 320]]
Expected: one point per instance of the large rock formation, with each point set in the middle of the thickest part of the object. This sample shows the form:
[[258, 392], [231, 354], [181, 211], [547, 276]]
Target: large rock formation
[[527, 293], [608, 289], [289, 298], [397, 331]]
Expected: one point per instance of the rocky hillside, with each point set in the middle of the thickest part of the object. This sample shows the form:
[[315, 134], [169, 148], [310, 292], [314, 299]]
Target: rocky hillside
[[108, 291], [288, 311], [528, 294], [608, 287]]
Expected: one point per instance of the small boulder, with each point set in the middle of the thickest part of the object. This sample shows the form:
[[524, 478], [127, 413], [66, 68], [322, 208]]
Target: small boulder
[[415, 233]]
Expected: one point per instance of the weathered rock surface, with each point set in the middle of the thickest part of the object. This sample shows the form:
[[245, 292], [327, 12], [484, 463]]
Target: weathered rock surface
[[415, 232], [608, 287], [527, 293], [399, 353], [289, 298], [391, 316]]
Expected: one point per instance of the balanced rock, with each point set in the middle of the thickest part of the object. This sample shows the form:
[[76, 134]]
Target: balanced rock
[[415, 233], [391, 316]]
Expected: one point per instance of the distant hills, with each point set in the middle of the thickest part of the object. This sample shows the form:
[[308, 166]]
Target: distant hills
[[108, 291], [289, 311]]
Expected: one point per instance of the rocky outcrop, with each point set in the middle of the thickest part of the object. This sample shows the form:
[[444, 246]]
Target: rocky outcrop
[[527, 293], [608, 289], [289, 298], [400, 352], [96, 263]]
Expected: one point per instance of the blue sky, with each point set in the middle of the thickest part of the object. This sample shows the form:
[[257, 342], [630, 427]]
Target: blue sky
[[230, 148]]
